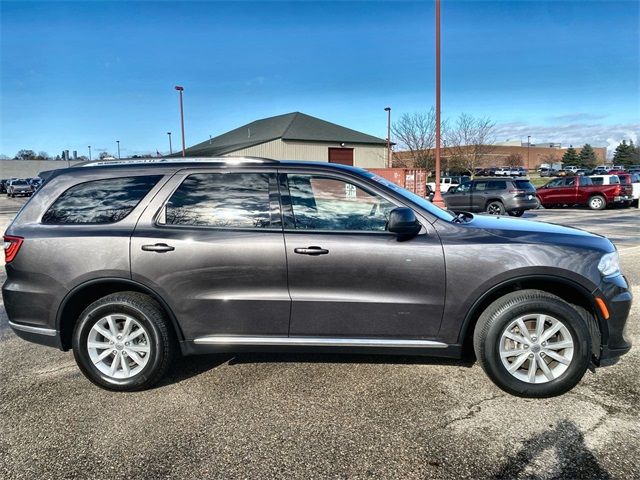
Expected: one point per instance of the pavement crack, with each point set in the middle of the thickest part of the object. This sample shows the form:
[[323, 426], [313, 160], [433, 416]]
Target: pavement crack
[[473, 410]]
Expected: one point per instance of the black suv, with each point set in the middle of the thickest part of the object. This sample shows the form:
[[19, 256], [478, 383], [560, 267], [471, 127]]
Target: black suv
[[496, 196], [130, 263]]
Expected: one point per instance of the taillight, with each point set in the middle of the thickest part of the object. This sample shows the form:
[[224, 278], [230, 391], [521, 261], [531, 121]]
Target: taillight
[[11, 247]]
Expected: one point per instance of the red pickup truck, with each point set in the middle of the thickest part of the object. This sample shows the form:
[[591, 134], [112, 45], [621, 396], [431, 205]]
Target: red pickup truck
[[581, 191]]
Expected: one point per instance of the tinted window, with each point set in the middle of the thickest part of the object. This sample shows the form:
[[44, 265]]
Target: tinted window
[[227, 200], [100, 201], [614, 180], [555, 183], [570, 181], [584, 181], [524, 185], [19, 183], [321, 203], [480, 186], [497, 185], [597, 180]]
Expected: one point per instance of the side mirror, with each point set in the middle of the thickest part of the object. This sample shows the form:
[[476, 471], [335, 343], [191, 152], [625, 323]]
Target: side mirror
[[403, 222]]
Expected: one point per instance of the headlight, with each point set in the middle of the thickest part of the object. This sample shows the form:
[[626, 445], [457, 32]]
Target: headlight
[[609, 264]]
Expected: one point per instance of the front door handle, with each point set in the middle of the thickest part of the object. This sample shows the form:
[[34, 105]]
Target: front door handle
[[311, 251], [158, 247]]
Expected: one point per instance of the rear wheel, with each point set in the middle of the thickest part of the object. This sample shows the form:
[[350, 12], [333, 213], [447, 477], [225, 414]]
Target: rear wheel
[[123, 342], [597, 202], [495, 208], [532, 344]]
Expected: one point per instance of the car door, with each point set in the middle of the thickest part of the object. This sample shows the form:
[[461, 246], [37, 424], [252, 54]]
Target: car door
[[550, 194], [479, 195], [211, 244], [458, 198], [348, 276]]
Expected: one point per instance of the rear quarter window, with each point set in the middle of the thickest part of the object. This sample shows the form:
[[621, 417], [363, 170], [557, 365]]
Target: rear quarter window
[[99, 201]]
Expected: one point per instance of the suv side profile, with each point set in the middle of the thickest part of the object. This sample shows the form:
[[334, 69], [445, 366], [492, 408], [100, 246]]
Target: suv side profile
[[495, 196], [150, 259]]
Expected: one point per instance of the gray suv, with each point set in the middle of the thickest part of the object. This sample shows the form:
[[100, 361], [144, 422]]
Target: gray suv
[[496, 196], [132, 263]]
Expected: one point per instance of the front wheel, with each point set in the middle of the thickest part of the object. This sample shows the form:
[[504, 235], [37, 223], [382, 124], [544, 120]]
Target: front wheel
[[123, 342], [597, 202], [532, 344]]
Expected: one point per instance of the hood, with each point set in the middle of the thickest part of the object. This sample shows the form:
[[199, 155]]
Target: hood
[[539, 232]]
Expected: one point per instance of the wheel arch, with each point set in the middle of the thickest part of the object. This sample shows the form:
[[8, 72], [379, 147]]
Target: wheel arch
[[88, 292], [567, 289]]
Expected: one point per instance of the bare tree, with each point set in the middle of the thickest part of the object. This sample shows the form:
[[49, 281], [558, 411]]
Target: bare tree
[[513, 160], [415, 133], [469, 140]]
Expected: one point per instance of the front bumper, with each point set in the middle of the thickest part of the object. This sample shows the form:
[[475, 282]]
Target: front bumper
[[617, 295]]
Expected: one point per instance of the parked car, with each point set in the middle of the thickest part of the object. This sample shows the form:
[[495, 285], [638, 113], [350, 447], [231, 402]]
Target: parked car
[[600, 170], [34, 183], [518, 172], [580, 190], [3, 185], [503, 172], [186, 256], [446, 183], [19, 187], [547, 172], [632, 179], [495, 196]]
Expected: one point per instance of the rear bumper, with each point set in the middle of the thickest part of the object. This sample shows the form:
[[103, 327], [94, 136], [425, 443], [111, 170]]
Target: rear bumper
[[521, 203], [623, 198], [40, 335], [616, 292]]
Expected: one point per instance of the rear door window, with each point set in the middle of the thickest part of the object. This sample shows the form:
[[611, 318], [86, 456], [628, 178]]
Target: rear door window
[[100, 201], [223, 200], [497, 185]]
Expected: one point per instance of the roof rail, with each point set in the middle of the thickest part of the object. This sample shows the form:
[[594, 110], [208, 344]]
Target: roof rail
[[138, 161]]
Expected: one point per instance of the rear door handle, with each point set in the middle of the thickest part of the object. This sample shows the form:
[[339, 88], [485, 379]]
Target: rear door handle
[[158, 247], [311, 251]]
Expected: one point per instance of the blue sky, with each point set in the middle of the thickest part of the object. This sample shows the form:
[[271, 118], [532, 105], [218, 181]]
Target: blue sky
[[90, 73]]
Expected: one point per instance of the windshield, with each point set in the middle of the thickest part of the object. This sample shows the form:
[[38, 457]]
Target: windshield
[[19, 183], [412, 197]]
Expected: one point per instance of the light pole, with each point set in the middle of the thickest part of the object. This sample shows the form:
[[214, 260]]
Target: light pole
[[437, 197], [181, 89], [118, 142], [89, 152], [528, 150], [170, 147], [388, 110]]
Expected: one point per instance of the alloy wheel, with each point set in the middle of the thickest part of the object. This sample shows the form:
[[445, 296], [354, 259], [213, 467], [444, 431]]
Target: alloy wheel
[[119, 346], [536, 348]]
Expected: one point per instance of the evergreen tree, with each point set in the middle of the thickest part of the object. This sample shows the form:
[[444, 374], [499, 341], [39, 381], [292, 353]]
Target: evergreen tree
[[570, 157], [588, 156], [635, 153], [624, 154]]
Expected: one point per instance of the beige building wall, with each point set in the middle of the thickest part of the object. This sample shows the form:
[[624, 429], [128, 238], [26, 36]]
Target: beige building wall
[[29, 168], [368, 156]]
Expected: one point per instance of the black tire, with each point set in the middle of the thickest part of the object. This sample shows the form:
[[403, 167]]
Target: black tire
[[493, 321], [516, 213], [150, 315], [597, 202], [495, 208]]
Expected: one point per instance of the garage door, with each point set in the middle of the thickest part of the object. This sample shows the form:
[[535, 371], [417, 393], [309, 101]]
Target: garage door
[[343, 156]]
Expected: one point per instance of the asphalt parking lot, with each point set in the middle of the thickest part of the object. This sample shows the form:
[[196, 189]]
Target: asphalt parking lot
[[322, 416]]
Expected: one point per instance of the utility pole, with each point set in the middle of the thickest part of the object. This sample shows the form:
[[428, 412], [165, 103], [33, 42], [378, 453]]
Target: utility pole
[[118, 142], [388, 110], [170, 148], [437, 196], [89, 152], [528, 154], [181, 89]]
